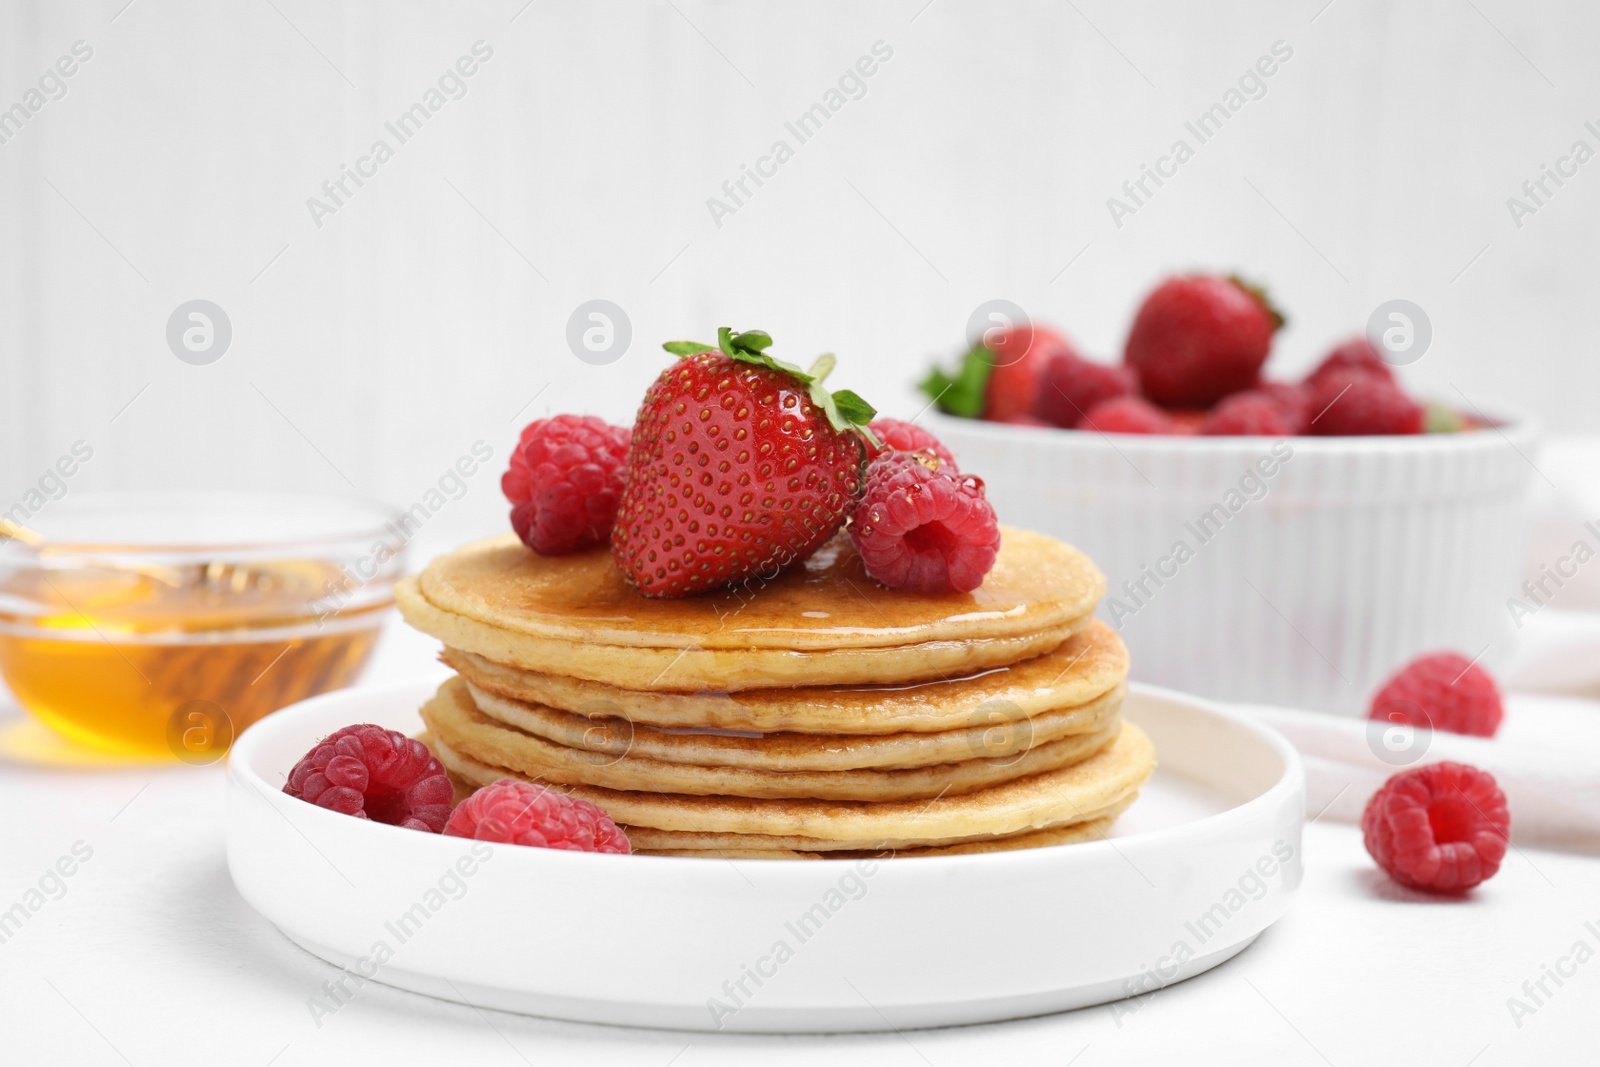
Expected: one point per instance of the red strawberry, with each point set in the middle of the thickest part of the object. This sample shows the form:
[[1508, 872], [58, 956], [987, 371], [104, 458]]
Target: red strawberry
[[1018, 355], [1198, 338], [998, 378], [740, 464], [1355, 354]]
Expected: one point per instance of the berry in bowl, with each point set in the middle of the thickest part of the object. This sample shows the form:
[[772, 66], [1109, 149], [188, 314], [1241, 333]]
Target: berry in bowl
[[1265, 540]]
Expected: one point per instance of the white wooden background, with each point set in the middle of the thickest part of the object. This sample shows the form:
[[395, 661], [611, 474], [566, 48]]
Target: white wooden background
[[432, 308]]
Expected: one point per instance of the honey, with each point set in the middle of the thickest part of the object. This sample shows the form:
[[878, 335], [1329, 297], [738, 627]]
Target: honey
[[158, 661]]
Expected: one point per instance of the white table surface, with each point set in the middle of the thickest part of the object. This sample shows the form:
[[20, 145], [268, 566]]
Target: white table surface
[[151, 958]]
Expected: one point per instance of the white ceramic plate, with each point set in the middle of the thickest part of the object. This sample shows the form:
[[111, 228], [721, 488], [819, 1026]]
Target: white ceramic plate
[[1206, 859]]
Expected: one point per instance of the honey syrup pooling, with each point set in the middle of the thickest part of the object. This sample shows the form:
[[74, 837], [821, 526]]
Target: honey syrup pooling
[[169, 662]]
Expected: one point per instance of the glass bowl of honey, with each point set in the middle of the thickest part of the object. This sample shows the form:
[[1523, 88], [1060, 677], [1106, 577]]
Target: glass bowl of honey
[[159, 626]]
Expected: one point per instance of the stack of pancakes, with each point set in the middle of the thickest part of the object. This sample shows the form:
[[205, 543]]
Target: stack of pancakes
[[809, 714]]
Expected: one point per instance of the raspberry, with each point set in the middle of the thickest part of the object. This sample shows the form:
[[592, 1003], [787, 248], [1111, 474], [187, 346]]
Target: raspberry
[[1355, 403], [1127, 414], [1355, 354], [1069, 386], [1442, 828], [520, 813], [923, 526], [1294, 399], [908, 437], [1441, 691], [1252, 413], [565, 483], [376, 774]]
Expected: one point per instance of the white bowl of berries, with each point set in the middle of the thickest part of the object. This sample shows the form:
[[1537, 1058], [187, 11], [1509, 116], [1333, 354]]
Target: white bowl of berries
[[1265, 541]]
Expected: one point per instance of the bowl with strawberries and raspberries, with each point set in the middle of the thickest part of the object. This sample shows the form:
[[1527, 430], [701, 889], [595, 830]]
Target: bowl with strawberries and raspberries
[[1266, 538]]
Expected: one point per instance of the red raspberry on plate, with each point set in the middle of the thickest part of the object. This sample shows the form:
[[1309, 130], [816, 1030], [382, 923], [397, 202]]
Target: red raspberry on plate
[[924, 526], [565, 482], [520, 813], [1354, 403], [1355, 354], [1070, 386], [1198, 338], [900, 436], [1252, 413], [1127, 414], [376, 774], [1441, 691], [1442, 828]]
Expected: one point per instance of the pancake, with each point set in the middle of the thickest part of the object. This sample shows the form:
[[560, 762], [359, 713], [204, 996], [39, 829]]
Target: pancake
[[733, 854], [453, 718], [1092, 830], [825, 604], [1076, 672], [1082, 791], [998, 733], [677, 843], [808, 713], [693, 668], [651, 842]]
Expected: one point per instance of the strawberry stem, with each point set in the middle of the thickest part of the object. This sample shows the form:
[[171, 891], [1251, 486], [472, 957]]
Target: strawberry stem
[[1259, 292], [846, 411]]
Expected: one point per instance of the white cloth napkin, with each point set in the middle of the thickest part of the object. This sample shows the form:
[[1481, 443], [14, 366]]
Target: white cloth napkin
[[1546, 760], [1558, 646], [1557, 652], [1546, 756]]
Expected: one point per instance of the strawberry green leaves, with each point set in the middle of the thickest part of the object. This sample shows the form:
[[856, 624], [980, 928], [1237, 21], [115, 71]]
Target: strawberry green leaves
[[1260, 294], [961, 393], [750, 347], [853, 408], [747, 347], [752, 341], [845, 409], [687, 348]]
